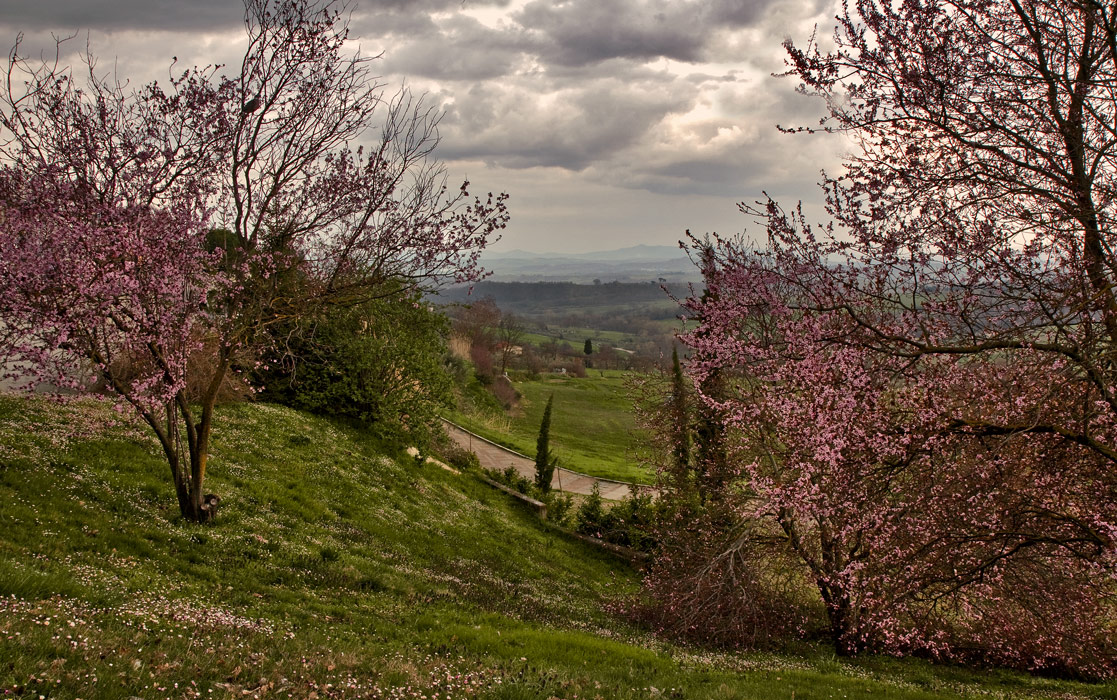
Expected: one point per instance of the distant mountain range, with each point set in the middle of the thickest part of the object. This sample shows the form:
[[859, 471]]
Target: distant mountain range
[[636, 252], [639, 263]]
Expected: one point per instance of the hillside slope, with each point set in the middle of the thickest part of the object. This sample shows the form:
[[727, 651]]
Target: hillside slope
[[592, 429], [336, 569]]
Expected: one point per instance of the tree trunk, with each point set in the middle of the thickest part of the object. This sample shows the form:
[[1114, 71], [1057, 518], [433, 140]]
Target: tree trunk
[[201, 507], [182, 489], [835, 591], [842, 624]]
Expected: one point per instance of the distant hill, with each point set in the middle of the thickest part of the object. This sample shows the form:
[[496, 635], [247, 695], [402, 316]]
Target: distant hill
[[637, 252], [641, 263], [532, 299]]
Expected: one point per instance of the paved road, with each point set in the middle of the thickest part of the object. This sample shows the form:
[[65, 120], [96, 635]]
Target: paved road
[[493, 456]]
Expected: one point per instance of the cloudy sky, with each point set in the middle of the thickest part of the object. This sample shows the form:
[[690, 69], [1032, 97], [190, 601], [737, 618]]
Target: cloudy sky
[[609, 122]]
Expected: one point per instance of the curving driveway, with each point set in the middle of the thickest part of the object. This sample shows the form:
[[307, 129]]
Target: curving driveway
[[493, 456]]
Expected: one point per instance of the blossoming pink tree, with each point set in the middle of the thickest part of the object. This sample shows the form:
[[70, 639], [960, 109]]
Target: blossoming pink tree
[[916, 533], [149, 237], [100, 291], [924, 395]]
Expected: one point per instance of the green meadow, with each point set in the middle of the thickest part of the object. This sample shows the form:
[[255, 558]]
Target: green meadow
[[591, 427], [339, 567]]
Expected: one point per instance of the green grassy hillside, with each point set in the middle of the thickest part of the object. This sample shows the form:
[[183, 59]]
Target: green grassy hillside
[[338, 568], [591, 429]]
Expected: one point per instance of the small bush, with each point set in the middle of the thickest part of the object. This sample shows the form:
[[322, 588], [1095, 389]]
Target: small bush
[[460, 458], [482, 362], [457, 367], [577, 368], [630, 523], [721, 595], [505, 393], [513, 480], [560, 508], [590, 518]]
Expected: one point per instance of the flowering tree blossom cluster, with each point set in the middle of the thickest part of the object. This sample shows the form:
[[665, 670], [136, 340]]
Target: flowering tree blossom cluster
[[918, 532], [922, 394], [150, 237]]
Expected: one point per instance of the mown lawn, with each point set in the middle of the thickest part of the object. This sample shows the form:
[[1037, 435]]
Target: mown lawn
[[591, 424], [340, 568]]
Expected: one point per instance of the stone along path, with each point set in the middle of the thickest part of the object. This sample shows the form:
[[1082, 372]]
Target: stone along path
[[493, 456]]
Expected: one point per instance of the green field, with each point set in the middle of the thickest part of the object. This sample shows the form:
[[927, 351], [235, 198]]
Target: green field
[[340, 568], [591, 424], [576, 337]]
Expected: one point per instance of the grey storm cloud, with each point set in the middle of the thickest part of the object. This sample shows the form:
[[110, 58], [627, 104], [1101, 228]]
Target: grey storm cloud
[[122, 15], [459, 48], [570, 97], [572, 129], [466, 64], [197, 15], [379, 23], [581, 32], [700, 78], [409, 20], [426, 6], [557, 36]]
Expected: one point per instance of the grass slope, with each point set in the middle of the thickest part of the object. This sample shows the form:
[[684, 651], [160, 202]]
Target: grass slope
[[338, 570], [591, 428]]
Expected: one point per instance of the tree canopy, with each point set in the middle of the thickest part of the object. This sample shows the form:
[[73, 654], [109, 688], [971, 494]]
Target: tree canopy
[[921, 392], [110, 195]]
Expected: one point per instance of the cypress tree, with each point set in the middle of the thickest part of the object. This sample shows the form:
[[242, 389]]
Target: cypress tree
[[680, 417], [544, 461]]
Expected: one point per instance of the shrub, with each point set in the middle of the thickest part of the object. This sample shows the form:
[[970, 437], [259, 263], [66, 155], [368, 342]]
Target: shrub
[[591, 514], [505, 393], [512, 479], [482, 362], [633, 521], [380, 362], [560, 508], [734, 595], [460, 458], [629, 523]]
